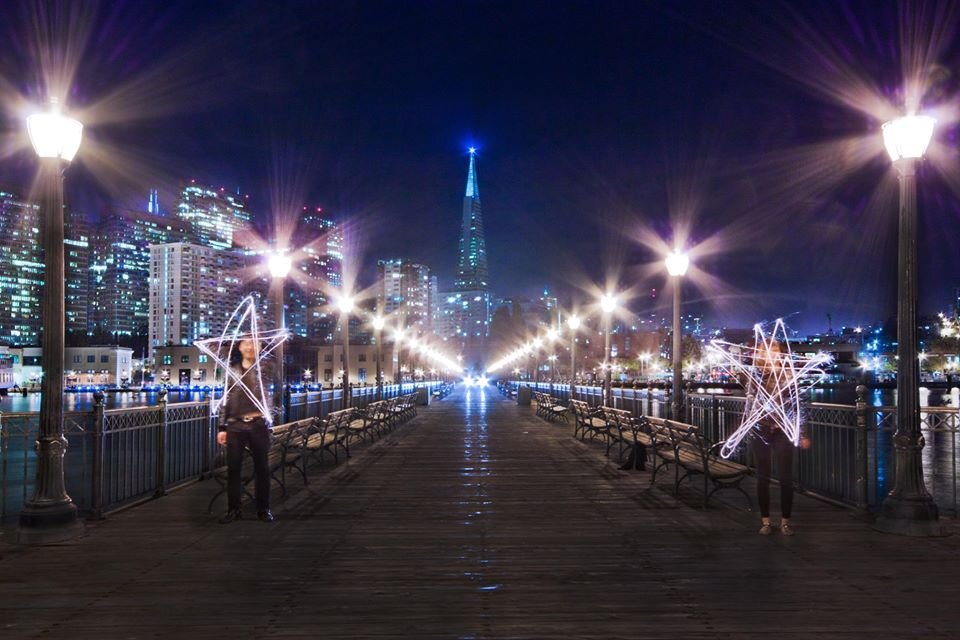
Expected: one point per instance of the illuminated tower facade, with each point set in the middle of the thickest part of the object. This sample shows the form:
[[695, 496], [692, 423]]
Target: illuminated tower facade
[[464, 313]]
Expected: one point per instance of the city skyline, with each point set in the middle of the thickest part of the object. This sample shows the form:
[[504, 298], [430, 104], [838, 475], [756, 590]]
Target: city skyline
[[642, 159]]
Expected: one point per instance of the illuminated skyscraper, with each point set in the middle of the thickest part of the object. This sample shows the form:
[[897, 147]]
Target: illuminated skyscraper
[[120, 268], [472, 263], [406, 292], [464, 313], [22, 271], [214, 216], [193, 291]]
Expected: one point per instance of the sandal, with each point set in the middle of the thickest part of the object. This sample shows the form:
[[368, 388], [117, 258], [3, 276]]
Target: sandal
[[766, 530], [786, 529]]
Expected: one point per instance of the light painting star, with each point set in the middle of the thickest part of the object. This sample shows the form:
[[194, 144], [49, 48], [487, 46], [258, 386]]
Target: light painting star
[[774, 379], [220, 349]]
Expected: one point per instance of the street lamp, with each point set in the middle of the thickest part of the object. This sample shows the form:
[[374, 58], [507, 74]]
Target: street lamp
[[50, 515], [279, 265], [677, 265], [378, 324], [573, 323], [345, 304], [608, 303], [909, 508]]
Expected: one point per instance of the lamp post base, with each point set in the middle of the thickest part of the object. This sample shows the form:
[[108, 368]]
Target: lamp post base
[[53, 524], [916, 517]]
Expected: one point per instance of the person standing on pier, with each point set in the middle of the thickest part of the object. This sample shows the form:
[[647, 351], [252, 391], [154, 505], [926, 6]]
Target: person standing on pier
[[771, 446], [244, 426]]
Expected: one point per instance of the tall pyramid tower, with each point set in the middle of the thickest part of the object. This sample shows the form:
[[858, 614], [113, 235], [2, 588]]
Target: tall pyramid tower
[[472, 264]]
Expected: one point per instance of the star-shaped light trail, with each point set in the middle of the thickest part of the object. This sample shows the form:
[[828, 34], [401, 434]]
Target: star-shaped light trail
[[220, 349], [775, 378]]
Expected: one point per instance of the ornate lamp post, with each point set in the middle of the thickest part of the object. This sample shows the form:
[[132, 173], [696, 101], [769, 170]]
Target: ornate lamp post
[[909, 508], [50, 515], [677, 265], [345, 304], [573, 323], [378, 324], [279, 266], [608, 303]]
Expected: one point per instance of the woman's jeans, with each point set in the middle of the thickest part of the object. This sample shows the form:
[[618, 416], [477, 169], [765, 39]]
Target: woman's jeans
[[257, 439]]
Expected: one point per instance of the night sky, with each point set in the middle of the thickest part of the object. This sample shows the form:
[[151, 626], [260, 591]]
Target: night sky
[[593, 120]]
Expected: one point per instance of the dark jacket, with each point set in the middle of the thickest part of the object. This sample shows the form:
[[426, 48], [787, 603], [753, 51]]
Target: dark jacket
[[237, 403]]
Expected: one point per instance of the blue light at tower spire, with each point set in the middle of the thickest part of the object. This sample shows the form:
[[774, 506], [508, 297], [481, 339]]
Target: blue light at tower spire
[[473, 191]]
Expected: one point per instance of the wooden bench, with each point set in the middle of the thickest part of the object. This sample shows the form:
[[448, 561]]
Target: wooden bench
[[549, 408], [286, 450], [627, 432], [686, 448], [324, 436], [587, 421]]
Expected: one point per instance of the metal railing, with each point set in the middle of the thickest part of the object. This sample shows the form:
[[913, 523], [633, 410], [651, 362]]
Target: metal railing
[[120, 457], [851, 458]]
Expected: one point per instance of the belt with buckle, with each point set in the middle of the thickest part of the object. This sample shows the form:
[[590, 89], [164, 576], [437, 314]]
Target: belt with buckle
[[249, 418]]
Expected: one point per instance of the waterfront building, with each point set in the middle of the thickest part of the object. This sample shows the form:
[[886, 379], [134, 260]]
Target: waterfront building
[[193, 290], [405, 291], [105, 365], [184, 365], [363, 364]]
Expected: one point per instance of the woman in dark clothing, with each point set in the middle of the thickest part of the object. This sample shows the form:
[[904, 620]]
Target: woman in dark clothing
[[772, 446], [243, 426]]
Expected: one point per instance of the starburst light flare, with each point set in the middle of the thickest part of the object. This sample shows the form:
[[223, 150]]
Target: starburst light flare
[[266, 343], [775, 378]]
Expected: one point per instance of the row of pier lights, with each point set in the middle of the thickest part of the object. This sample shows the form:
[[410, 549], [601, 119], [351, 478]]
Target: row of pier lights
[[908, 509], [50, 516]]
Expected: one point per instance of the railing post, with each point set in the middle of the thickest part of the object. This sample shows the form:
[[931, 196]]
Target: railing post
[[649, 398], [161, 448], [209, 451], [96, 492], [687, 409], [863, 455]]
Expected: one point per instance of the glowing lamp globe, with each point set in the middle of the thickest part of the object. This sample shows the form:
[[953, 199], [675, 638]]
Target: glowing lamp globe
[[553, 334], [54, 135], [677, 263], [279, 265], [537, 343], [608, 303], [378, 323], [908, 137], [345, 304], [573, 322]]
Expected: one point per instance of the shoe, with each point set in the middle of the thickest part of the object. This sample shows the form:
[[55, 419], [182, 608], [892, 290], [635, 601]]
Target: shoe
[[766, 530], [231, 515], [266, 516], [786, 529]]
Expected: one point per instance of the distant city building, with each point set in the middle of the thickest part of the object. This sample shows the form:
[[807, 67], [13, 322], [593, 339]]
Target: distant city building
[[120, 268], [363, 364], [184, 365], [193, 291], [405, 292], [214, 216], [22, 269], [308, 308], [464, 313], [108, 365], [77, 251]]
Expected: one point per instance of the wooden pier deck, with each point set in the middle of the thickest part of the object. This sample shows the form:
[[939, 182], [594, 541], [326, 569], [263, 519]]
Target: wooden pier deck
[[478, 520]]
